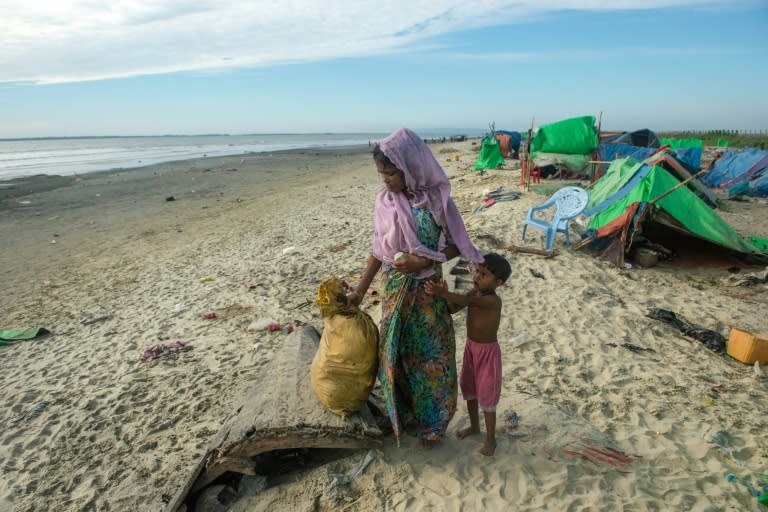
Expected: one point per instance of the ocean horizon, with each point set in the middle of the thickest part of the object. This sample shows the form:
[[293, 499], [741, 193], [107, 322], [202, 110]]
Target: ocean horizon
[[66, 156]]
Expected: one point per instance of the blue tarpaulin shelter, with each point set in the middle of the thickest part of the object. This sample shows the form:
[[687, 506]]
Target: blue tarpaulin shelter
[[741, 172]]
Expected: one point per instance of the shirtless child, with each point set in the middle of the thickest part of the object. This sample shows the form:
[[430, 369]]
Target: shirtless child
[[480, 379]]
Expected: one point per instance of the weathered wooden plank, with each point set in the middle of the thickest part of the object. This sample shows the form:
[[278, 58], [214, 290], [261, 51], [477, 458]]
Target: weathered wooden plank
[[280, 411]]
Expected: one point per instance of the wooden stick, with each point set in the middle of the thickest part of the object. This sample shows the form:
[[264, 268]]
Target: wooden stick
[[681, 184], [529, 158], [530, 250], [596, 168]]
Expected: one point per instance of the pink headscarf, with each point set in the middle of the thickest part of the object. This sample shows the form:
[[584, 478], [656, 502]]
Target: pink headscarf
[[394, 227]]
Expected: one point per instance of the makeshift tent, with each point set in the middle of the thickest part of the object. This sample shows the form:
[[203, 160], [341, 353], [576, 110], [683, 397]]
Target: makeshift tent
[[688, 150], [490, 155], [644, 138], [633, 193], [509, 142], [609, 152], [741, 172], [568, 144], [674, 164], [575, 136]]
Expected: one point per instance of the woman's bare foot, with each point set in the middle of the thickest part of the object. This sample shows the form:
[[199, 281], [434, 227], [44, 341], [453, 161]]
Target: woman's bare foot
[[489, 447], [428, 444], [469, 431]]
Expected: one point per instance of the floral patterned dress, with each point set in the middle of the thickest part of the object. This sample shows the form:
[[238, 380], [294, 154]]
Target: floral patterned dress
[[417, 352]]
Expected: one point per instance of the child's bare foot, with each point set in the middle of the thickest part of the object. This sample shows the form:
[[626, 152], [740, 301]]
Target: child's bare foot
[[469, 431], [489, 447]]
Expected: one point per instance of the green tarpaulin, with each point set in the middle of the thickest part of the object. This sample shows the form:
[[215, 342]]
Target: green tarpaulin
[[575, 136], [11, 335], [682, 143], [490, 155], [617, 190]]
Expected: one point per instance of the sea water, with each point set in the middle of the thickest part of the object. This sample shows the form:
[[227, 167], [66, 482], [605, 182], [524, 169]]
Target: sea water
[[80, 155]]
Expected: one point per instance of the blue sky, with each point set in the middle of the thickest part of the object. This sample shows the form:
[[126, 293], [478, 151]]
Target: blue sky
[[208, 66]]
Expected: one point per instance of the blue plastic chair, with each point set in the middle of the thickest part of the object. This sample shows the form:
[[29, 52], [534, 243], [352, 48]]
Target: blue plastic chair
[[568, 203]]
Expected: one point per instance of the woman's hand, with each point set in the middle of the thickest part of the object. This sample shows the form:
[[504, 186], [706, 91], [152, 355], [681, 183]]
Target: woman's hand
[[355, 298], [411, 263]]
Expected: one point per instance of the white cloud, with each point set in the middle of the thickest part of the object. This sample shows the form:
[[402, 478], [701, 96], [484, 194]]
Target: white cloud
[[77, 40]]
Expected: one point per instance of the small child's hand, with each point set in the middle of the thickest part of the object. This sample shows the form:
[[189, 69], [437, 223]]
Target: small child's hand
[[436, 287]]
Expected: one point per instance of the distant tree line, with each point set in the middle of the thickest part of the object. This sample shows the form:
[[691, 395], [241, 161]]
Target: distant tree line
[[735, 138]]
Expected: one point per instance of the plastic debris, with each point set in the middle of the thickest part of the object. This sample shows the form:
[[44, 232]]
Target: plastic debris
[[261, 324], [521, 339], [158, 351]]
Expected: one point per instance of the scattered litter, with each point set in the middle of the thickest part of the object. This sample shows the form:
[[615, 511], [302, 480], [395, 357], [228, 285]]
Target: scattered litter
[[32, 413], [157, 351], [354, 472], [170, 198], [605, 454], [178, 308], [210, 315], [711, 339], [261, 324], [730, 477], [207, 279], [511, 420], [722, 439], [256, 345], [520, 340], [535, 273], [308, 302], [636, 349], [96, 319], [289, 250]]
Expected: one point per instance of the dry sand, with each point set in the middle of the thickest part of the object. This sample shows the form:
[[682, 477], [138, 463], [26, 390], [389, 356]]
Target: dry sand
[[111, 266]]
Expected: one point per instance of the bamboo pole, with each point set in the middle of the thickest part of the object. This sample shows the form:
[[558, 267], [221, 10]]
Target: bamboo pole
[[681, 184], [596, 169]]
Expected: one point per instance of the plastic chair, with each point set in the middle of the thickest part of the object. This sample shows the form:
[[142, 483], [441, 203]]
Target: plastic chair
[[568, 203]]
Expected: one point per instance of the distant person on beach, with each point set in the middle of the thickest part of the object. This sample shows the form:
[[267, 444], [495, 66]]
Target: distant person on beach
[[416, 227], [480, 379]]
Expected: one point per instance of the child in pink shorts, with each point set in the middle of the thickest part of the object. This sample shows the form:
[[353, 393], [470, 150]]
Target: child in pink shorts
[[480, 379]]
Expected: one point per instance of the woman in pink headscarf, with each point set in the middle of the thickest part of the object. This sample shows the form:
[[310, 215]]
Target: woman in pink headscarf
[[415, 215]]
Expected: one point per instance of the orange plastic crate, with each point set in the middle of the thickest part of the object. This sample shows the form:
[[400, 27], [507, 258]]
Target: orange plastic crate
[[747, 347]]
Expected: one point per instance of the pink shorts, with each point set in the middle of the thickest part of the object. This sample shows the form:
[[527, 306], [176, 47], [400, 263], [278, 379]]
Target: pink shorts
[[481, 374]]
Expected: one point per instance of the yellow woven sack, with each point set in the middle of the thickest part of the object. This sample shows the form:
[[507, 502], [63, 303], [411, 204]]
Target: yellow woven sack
[[344, 367]]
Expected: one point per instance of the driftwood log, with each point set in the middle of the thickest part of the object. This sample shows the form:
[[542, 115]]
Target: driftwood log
[[280, 411]]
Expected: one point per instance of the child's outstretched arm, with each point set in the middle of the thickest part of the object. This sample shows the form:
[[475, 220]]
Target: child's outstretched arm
[[440, 289], [458, 301]]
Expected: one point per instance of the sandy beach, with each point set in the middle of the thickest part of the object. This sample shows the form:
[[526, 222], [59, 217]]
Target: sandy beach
[[115, 262]]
